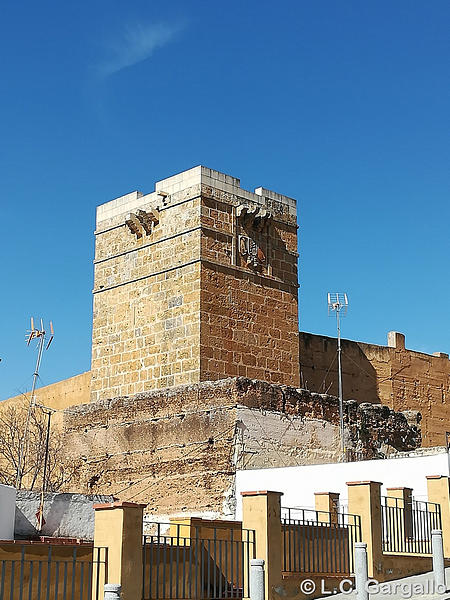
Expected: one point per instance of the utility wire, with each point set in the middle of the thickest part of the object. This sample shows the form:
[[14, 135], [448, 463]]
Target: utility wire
[[391, 377], [189, 454], [326, 374], [269, 438]]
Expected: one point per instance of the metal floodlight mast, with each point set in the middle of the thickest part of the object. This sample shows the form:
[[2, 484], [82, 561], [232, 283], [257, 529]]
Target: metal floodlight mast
[[338, 304]]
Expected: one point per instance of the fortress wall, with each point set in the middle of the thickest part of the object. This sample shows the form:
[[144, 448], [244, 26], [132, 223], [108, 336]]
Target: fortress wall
[[392, 375], [178, 449]]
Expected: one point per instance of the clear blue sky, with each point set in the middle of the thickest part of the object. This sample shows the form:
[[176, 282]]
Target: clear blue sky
[[342, 105]]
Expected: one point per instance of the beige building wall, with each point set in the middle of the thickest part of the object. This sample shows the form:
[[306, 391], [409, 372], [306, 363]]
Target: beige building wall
[[146, 315], [392, 375], [59, 395]]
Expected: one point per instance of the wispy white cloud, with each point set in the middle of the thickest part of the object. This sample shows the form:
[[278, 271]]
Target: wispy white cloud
[[136, 44]]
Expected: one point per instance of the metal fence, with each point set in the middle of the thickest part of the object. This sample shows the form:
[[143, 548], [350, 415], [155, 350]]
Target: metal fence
[[407, 527], [184, 561], [50, 576], [319, 542]]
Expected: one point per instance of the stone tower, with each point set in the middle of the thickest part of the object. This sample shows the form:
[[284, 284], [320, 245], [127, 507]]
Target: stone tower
[[195, 281]]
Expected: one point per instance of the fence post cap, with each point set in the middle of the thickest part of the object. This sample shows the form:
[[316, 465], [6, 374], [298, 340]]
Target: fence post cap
[[436, 532], [257, 562], [360, 545], [112, 587]]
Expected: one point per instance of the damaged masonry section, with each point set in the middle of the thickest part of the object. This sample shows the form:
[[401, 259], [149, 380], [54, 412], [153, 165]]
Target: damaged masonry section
[[254, 215], [142, 221], [179, 448]]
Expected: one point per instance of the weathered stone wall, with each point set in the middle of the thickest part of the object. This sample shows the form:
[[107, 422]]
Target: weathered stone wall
[[178, 449], [392, 375], [249, 317], [146, 319]]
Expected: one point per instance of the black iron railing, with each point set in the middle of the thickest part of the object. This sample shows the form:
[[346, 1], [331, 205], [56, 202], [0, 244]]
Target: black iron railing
[[48, 575], [407, 526], [184, 561], [320, 542]]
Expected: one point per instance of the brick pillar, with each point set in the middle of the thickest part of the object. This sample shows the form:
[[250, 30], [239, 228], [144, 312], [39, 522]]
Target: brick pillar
[[401, 498], [364, 499], [118, 527], [439, 492], [327, 502], [261, 511]]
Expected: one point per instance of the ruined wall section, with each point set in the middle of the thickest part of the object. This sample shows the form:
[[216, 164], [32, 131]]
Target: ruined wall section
[[160, 448], [178, 449], [392, 375]]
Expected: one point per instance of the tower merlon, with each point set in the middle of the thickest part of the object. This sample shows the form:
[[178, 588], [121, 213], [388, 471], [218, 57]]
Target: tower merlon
[[191, 182]]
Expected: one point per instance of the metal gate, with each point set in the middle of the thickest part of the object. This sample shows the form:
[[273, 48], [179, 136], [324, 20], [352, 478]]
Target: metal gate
[[319, 542], [181, 563], [407, 526]]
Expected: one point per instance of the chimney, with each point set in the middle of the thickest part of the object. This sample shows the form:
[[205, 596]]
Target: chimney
[[396, 340]]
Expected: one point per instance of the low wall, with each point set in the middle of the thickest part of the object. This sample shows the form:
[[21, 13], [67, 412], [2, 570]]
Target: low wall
[[59, 395], [66, 515], [177, 449], [396, 566], [324, 586]]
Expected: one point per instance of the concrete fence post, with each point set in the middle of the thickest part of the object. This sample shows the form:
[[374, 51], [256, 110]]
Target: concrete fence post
[[257, 584], [112, 591], [327, 507], [361, 571], [364, 499], [438, 560], [439, 492], [261, 511], [118, 527]]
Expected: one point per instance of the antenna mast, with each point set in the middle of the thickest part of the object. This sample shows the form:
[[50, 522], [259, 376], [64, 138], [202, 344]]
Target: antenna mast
[[338, 303], [39, 334], [40, 512]]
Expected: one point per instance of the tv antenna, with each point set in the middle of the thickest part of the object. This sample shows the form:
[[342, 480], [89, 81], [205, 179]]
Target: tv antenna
[[40, 335], [338, 304]]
